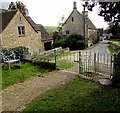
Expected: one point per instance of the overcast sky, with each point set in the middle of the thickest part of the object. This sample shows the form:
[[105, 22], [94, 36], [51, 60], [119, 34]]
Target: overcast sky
[[49, 12]]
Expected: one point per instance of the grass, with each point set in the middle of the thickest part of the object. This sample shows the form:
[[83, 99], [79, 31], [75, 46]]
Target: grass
[[111, 49], [51, 27], [19, 73], [116, 42], [77, 95], [63, 64]]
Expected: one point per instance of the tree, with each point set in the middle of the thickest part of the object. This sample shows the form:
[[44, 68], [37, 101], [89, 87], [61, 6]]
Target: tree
[[115, 30], [109, 10], [61, 22], [18, 5]]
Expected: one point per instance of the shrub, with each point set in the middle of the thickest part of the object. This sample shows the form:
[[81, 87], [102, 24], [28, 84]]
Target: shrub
[[80, 44], [73, 41]]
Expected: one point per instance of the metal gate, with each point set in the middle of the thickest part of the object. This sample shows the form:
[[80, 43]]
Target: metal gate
[[85, 63]]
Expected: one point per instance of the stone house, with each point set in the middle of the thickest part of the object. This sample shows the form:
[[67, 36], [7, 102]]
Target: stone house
[[76, 22], [20, 30]]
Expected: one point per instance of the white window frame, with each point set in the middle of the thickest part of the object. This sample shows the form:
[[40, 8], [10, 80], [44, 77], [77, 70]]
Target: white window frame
[[21, 30]]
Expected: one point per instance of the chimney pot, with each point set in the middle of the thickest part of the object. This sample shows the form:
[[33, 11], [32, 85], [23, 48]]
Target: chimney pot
[[74, 5]]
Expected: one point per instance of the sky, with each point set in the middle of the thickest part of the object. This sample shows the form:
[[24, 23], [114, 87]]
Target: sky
[[49, 12]]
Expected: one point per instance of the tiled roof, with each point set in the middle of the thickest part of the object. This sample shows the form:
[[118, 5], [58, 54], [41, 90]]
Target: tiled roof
[[44, 33], [5, 18]]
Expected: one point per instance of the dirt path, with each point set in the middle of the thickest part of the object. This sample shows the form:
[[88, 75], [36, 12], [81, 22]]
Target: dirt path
[[18, 96]]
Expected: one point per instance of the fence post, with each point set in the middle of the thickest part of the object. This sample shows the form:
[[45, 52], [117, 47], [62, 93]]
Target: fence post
[[94, 61], [80, 65], [116, 70], [55, 55]]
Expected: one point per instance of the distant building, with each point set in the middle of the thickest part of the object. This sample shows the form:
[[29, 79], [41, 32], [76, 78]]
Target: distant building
[[75, 24], [20, 30]]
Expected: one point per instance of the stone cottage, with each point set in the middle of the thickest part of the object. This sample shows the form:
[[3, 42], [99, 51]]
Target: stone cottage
[[75, 24], [20, 30]]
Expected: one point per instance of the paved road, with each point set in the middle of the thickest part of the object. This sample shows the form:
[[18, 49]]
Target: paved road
[[101, 47]]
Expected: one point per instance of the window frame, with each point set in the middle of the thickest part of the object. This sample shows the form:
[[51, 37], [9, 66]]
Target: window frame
[[21, 29], [72, 19], [67, 32]]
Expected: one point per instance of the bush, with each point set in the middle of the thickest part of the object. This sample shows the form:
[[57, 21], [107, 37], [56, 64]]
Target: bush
[[73, 41], [80, 44]]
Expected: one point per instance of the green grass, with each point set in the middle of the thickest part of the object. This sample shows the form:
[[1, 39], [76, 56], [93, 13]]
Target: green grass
[[19, 73], [51, 27], [63, 64], [111, 49], [78, 95], [116, 42]]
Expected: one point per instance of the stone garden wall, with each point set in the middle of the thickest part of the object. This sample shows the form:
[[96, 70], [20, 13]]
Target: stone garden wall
[[115, 46], [46, 54]]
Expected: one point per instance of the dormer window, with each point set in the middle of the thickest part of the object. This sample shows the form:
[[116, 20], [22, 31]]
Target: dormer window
[[72, 19], [21, 30]]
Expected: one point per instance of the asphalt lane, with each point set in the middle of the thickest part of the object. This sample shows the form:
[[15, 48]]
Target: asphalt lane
[[101, 47]]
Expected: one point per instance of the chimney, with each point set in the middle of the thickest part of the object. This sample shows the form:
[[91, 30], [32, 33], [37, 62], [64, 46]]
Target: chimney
[[74, 5]]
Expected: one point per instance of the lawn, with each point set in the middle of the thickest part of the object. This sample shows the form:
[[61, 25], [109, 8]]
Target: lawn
[[20, 72], [63, 64], [77, 95], [116, 42], [111, 49], [51, 27]]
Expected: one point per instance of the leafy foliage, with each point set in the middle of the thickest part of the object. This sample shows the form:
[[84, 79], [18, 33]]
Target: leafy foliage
[[109, 10], [19, 52], [115, 30], [73, 41], [18, 5]]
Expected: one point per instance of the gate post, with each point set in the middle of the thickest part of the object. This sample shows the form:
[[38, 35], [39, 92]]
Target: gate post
[[94, 61], [116, 70], [55, 55], [80, 65]]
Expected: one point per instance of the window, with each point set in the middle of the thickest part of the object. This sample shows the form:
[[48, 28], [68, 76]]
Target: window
[[21, 30], [72, 19], [67, 32]]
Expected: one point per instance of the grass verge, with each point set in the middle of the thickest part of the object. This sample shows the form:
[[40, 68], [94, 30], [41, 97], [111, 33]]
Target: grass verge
[[116, 42], [20, 72], [77, 95], [111, 49]]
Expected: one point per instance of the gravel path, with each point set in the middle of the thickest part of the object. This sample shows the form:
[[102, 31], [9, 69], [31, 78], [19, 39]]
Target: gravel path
[[18, 96]]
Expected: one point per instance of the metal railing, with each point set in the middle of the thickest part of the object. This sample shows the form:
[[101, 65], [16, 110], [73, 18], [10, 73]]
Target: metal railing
[[85, 62]]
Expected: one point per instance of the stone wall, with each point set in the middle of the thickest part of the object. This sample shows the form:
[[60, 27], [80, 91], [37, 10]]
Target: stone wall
[[92, 35], [11, 38], [75, 26], [46, 54], [115, 46]]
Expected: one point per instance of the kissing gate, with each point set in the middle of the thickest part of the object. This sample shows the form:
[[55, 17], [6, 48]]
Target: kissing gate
[[85, 63]]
